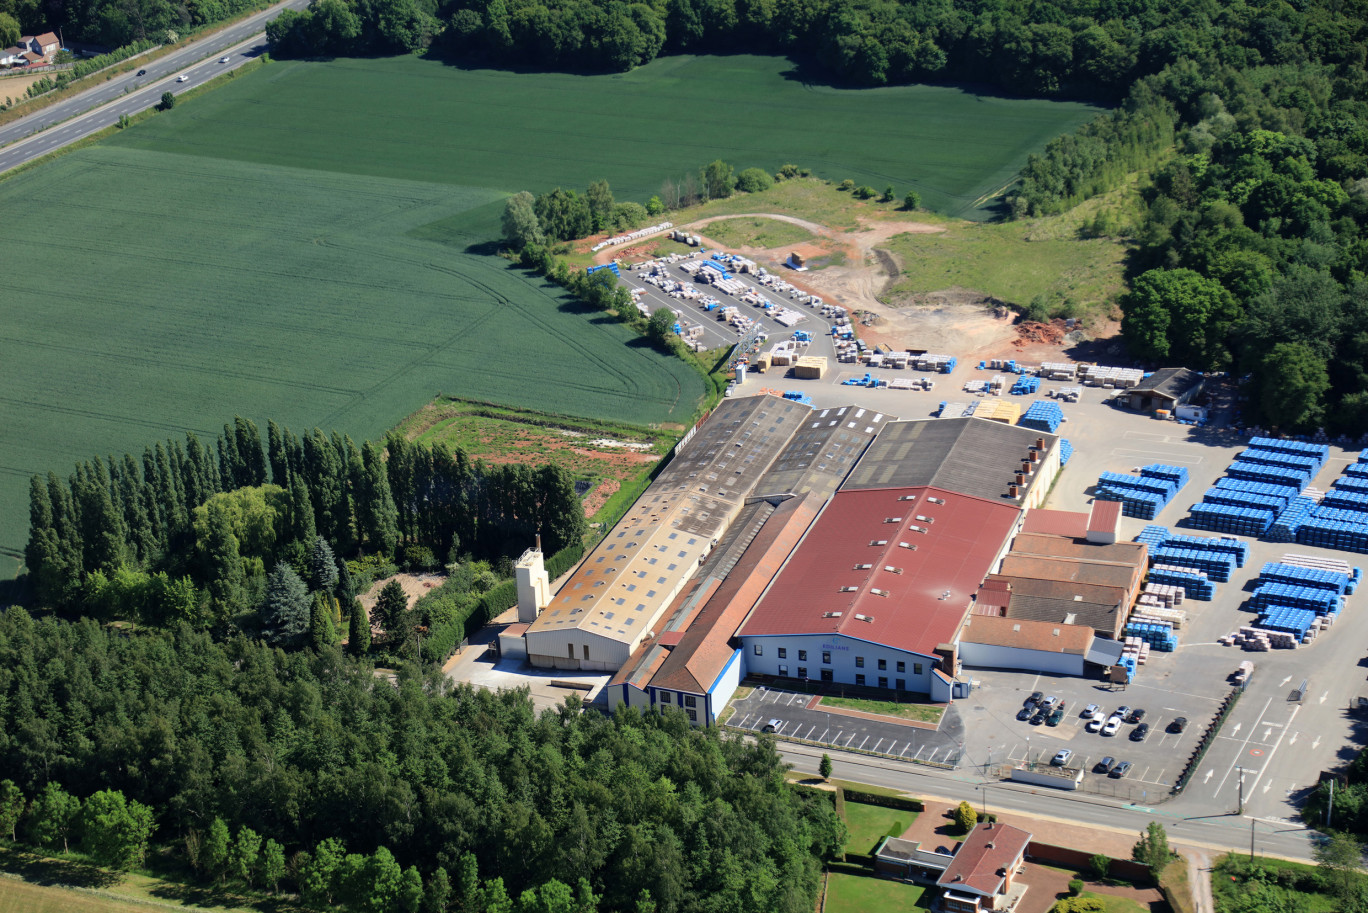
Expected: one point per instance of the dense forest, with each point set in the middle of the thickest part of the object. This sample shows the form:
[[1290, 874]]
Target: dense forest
[[276, 538], [304, 770]]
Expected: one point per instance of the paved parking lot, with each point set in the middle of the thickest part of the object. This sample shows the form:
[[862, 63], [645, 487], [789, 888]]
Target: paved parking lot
[[883, 735]]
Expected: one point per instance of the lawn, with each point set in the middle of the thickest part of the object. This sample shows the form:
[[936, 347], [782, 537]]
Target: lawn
[[926, 713], [1114, 904], [851, 892], [867, 823], [1234, 876], [313, 242], [755, 232]]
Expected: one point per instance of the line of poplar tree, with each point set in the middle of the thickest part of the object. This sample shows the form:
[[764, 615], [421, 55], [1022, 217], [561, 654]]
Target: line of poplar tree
[[222, 534]]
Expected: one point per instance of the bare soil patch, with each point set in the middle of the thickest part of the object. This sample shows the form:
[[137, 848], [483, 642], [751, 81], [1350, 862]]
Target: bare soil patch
[[16, 87]]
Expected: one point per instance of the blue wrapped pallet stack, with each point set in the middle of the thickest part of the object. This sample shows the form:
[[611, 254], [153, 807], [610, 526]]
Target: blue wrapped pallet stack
[[1025, 385], [1295, 574], [1296, 476], [1346, 537], [1065, 452], [1301, 462], [1321, 602], [1194, 583], [1320, 452], [1154, 536], [1042, 416], [1285, 618], [1142, 496], [1158, 635], [1290, 520], [1218, 566], [1231, 520], [1234, 498]]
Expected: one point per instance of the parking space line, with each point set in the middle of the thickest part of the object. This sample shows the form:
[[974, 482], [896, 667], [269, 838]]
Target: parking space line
[[862, 742], [810, 732], [876, 745], [905, 747], [920, 749]]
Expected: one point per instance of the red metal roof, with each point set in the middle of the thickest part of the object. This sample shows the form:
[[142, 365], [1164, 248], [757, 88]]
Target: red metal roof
[[983, 860], [1105, 516], [921, 573]]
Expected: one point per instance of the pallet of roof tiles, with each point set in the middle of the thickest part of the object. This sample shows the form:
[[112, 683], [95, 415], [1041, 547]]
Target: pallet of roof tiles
[[1194, 583], [1218, 566], [1167, 595], [1102, 376], [1225, 518], [1159, 613], [1251, 639], [1301, 575], [1059, 370]]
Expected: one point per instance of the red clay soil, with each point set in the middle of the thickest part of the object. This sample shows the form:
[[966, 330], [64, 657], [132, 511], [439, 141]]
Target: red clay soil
[[1031, 333]]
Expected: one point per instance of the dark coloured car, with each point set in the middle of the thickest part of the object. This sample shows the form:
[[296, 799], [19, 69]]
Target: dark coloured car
[[1055, 718], [1120, 770], [1034, 698], [142, 72], [1040, 717], [1024, 713], [1136, 715], [1178, 725], [1139, 732], [1105, 765]]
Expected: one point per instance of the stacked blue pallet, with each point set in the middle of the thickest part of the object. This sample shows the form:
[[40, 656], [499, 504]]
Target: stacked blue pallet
[[1296, 575], [1304, 462], [1346, 537], [1285, 492], [1128, 661], [1154, 535], [1320, 452], [1216, 565], [1237, 550], [1176, 474], [1322, 602], [1042, 416], [1359, 469], [1065, 451], [1231, 520], [1141, 505], [1235, 498], [1351, 483], [1290, 520], [1025, 385], [1194, 583], [1158, 635], [1142, 496], [1272, 475], [1348, 500], [1285, 618]]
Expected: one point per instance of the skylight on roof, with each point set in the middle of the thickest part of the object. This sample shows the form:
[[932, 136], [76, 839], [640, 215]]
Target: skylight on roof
[[868, 618]]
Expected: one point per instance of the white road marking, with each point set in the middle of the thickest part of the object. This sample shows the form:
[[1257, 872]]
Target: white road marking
[[1236, 730], [862, 741], [1263, 768], [1324, 696], [1293, 740], [1207, 778], [810, 732], [1268, 731], [876, 745], [1284, 682], [1268, 783], [824, 735], [1316, 743], [905, 747]]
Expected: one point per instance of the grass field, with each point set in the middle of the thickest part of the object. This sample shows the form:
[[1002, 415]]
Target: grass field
[[868, 823], [851, 891], [601, 456], [926, 713], [755, 232], [312, 242]]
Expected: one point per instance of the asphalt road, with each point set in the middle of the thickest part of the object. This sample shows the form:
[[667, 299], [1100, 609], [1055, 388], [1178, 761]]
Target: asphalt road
[[1216, 832], [99, 107]]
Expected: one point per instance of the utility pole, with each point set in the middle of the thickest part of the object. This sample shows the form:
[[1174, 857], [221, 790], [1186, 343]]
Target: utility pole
[[1241, 811], [1251, 839], [1330, 809]]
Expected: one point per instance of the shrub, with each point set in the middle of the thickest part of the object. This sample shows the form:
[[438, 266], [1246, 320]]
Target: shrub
[[966, 817], [847, 185], [1076, 886], [864, 192], [754, 180], [888, 195], [1101, 864], [912, 201], [168, 101]]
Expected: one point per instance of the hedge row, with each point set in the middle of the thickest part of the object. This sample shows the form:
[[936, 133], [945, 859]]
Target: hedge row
[[86, 67], [898, 802]]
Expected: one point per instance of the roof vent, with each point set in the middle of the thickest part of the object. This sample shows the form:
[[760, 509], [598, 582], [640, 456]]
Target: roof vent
[[936, 500], [910, 498], [907, 545], [878, 541], [859, 617], [1016, 627], [990, 844], [849, 589], [863, 567], [832, 614], [892, 570], [894, 519], [1056, 632], [917, 529], [926, 519], [878, 592]]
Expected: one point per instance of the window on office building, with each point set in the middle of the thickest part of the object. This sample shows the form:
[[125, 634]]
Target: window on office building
[[916, 668], [690, 701], [883, 681], [802, 656], [783, 653], [665, 697], [802, 671], [859, 662], [859, 679], [759, 650], [826, 657], [693, 716], [783, 669], [902, 666], [883, 665], [828, 676]]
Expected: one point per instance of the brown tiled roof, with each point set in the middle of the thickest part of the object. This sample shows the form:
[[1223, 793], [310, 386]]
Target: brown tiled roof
[[1026, 634], [1056, 522], [1134, 554], [980, 862], [1068, 570], [48, 38]]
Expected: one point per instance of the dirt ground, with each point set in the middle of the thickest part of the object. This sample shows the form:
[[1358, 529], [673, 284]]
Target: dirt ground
[[15, 86], [953, 320], [415, 586]]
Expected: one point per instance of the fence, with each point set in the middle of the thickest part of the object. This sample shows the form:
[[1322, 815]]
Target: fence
[[1068, 858]]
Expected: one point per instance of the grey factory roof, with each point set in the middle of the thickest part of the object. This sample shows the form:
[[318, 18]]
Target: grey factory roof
[[823, 450], [970, 456]]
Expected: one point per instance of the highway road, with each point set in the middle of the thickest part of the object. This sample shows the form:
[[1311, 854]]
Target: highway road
[[1221, 833], [101, 106]]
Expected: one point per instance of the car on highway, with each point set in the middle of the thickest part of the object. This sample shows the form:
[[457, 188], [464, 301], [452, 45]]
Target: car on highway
[[1178, 725], [182, 78], [1105, 765], [142, 72], [1096, 723], [1061, 757], [223, 60], [1090, 710], [1120, 770], [1136, 715], [1139, 732], [1112, 726]]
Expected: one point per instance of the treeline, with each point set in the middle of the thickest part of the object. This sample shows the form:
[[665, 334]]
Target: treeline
[[88, 66], [1252, 251], [1072, 48], [123, 23], [220, 536], [407, 787]]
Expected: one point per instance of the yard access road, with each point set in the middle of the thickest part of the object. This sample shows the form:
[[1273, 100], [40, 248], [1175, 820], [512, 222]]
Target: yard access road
[[101, 106]]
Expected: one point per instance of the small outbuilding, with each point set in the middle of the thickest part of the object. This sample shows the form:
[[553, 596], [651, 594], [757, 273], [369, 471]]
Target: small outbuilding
[[1167, 388]]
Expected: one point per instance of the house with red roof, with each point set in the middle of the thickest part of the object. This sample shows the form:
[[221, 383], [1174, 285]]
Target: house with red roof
[[982, 875]]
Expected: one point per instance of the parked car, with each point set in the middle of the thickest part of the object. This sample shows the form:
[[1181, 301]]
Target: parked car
[[1090, 710], [1105, 765], [1034, 698], [1049, 702], [1136, 715], [1120, 770], [1139, 732], [1096, 723], [772, 726], [1112, 726], [1024, 713], [1178, 724], [1055, 718], [1039, 717], [1061, 757], [1123, 711]]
